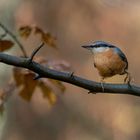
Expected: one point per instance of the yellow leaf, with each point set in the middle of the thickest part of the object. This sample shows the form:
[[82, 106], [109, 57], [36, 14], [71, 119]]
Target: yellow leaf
[[38, 30], [47, 92], [5, 45], [25, 31], [28, 87], [49, 39], [46, 37], [18, 76], [25, 78], [58, 84]]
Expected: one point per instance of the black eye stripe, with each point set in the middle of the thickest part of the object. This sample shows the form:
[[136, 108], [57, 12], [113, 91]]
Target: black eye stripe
[[102, 45], [97, 44]]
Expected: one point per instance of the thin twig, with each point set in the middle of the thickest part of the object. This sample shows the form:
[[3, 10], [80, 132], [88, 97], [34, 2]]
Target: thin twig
[[14, 38], [35, 51]]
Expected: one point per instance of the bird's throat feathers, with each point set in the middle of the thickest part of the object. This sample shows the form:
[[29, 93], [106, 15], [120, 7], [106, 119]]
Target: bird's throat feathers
[[99, 50]]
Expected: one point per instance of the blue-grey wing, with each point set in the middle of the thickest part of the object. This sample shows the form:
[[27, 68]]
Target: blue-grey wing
[[122, 56]]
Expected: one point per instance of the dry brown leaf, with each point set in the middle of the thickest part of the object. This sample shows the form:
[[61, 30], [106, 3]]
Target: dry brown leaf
[[49, 39], [48, 93], [5, 45], [25, 31], [25, 78], [46, 37], [38, 30], [58, 84], [29, 86], [18, 76]]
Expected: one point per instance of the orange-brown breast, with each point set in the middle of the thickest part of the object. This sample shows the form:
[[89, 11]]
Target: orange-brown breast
[[109, 63]]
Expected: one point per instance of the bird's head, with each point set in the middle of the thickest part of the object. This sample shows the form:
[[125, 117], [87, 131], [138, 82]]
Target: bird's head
[[98, 46]]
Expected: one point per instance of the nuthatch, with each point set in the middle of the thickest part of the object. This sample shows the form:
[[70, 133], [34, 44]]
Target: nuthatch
[[109, 60]]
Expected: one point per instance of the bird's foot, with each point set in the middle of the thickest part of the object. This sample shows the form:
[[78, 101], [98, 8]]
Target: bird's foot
[[128, 78], [102, 84]]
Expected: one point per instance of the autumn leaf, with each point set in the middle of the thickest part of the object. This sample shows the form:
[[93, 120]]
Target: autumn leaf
[[5, 45], [26, 84], [58, 84], [49, 39], [18, 76], [46, 37], [48, 93], [25, 78], [38, 30], [28, 87], [25, 31]]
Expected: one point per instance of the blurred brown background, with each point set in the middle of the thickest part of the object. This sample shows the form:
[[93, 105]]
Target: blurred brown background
[[76, 115]]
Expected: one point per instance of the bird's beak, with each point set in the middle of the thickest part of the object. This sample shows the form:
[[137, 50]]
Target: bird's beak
[[87, 47]]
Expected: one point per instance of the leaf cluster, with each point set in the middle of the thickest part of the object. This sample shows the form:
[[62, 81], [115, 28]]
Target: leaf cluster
[[24, 80]]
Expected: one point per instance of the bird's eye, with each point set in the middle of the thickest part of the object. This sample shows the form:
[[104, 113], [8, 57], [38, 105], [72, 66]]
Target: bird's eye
[[105, 45], [96, 46]]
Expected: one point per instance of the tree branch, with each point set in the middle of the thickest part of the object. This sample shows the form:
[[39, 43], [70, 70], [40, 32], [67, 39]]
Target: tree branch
[[46, 72]]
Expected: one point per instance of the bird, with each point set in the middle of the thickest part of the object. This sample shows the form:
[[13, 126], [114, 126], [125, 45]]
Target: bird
[[109, 60]]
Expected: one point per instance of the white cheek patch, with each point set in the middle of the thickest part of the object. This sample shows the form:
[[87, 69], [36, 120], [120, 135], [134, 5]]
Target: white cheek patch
[[100, 49]]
